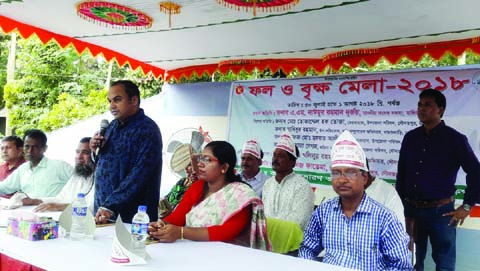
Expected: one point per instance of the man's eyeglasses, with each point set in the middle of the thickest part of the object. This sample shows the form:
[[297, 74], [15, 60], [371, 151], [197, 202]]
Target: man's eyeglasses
[[206, 159], [348, 174]]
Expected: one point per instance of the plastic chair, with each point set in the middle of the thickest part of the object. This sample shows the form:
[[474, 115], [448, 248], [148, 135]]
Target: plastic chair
[[284, 235]]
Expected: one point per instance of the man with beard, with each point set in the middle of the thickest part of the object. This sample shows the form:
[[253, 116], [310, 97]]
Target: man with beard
[[251, 161], [80, 182], [287, 195]]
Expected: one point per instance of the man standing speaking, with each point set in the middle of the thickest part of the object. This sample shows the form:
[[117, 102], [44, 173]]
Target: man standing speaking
[[129, 162]]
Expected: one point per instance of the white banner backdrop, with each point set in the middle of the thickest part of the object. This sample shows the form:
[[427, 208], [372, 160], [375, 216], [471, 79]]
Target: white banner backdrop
[[377, 108]]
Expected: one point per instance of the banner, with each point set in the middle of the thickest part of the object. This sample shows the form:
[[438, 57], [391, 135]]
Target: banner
[[378, 109]]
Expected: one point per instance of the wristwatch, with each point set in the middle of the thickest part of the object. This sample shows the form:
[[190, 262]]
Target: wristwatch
[[466, 207]]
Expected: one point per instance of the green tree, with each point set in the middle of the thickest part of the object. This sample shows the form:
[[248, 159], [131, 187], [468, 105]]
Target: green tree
[[4, 43], [55, 87]]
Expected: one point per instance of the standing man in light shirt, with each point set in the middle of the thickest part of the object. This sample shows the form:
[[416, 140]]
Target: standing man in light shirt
[[252, 156], [287, 195], [40, 176], [354, 230], [80, 182]]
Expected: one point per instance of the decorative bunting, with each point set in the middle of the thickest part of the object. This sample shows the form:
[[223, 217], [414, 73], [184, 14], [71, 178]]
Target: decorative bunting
[[170, 8], [263, 5], [334, 61], [114, 15]]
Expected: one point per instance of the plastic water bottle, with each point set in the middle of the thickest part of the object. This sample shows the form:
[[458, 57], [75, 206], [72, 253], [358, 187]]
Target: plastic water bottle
[[79, 218], [139, 231]]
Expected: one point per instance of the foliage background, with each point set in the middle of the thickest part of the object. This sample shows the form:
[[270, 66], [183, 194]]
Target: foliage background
[[55, 87]]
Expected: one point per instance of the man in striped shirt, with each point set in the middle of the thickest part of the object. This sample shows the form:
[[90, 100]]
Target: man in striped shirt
[[354, 230]]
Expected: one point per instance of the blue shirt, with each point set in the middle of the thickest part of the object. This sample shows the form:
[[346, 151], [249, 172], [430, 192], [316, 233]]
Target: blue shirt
[[372, 239], [129, 167], [256, 182], [428, 165]]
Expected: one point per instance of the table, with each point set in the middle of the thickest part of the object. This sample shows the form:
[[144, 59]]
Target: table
[[65, 254]]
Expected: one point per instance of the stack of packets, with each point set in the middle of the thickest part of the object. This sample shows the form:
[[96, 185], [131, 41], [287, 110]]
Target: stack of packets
[[31, 227], [122, 252]]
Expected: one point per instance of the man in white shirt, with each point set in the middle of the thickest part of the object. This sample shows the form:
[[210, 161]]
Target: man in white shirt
[[287, 195], [40, 176], [80, 182], [252, 156], [385, 193]]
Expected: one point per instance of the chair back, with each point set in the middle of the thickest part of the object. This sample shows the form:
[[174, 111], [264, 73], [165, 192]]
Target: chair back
[[284, 235]]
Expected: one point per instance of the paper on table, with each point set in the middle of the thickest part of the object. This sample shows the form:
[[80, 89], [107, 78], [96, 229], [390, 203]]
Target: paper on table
[[121, 245], [65, 221], [14, 202]]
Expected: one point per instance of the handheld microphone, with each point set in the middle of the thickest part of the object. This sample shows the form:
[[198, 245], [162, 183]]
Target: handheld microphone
[[103, 128]]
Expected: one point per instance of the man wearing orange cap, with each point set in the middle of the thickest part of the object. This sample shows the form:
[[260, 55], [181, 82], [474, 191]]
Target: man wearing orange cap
[[287, 195], [252, 157], [354, 230]]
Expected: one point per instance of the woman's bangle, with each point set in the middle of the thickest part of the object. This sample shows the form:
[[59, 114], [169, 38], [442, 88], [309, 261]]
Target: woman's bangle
[[181, 233]]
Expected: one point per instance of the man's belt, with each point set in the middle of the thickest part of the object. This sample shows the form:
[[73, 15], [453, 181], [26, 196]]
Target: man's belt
[[429, 203]]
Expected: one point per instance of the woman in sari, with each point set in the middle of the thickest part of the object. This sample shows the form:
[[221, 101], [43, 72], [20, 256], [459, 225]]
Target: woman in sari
[[217, 207]]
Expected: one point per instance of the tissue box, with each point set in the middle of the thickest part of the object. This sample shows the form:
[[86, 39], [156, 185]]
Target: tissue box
[[44, 229]]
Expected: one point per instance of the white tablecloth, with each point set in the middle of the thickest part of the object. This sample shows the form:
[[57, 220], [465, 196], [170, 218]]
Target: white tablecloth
[[64, 254]]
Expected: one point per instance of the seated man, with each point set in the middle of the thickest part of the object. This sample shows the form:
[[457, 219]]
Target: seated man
[[354, 230], [40, 177], [252, 157], [80, 182], [385, 193], [376, 188], [287, 195], [12, 154]]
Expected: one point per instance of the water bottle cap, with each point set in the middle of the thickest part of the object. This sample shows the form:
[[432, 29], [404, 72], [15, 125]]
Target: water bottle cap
[[142, 208], [80, 195]]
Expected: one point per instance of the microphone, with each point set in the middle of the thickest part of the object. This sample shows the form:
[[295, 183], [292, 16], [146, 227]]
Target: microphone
[[103, 128]]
